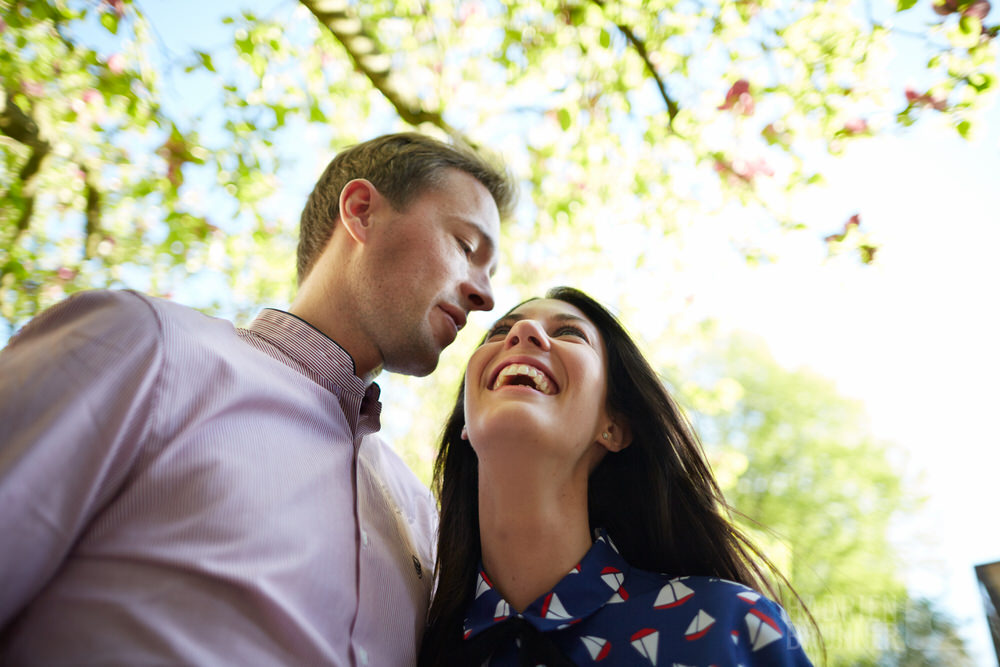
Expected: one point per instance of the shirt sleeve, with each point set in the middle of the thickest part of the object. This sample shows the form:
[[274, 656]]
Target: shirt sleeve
[[767, 638], [77, 391]]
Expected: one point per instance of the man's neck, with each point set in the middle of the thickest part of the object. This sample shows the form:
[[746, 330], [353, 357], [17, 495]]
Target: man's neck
[[318, 309]]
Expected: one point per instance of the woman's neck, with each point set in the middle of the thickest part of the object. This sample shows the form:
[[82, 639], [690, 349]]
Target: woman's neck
[[533, 529]]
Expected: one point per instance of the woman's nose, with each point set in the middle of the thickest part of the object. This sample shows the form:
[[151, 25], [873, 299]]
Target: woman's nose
[[527, 332]]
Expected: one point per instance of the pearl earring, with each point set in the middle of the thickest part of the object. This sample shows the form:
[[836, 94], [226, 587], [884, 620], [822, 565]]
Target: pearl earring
[[606, 435]]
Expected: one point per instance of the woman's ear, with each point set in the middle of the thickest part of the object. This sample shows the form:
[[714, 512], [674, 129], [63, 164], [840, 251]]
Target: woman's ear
[[357, 201], [617, 435]]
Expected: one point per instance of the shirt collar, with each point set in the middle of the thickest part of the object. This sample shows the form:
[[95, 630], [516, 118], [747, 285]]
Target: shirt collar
[[597, 580], [306, 349]]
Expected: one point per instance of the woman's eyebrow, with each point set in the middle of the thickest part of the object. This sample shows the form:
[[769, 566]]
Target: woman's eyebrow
[[505, 320], [568, 317], [559, 317]]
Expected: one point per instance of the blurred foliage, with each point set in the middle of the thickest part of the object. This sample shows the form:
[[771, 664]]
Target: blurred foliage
[[631, 127], [652, 114], [930, 638], [818, 492]]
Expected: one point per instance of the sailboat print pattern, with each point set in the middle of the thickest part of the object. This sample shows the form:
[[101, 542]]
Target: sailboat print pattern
[[606, 612]]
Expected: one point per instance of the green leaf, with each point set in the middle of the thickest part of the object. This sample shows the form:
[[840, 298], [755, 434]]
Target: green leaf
[[565, 118], [244, 44], [280, 111], [606, 38], [206, 61], [964, 128], [316, 114], [903, 5], [110, 21], [980, 81], [970, 25]]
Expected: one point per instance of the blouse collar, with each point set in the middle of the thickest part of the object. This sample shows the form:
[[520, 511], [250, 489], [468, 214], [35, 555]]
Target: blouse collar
[[596, 581]]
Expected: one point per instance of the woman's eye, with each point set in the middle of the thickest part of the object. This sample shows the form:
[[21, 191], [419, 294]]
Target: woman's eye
[[570, 331], [498, 330], [466, 248]]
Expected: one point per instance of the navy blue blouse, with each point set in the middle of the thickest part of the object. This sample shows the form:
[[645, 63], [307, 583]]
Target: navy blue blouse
[[607, 611]]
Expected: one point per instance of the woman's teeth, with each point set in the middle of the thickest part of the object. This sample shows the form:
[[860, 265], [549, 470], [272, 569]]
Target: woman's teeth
[[510, 373]]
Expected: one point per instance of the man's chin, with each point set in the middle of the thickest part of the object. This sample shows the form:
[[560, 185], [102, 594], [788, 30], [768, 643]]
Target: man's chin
[[416, 364]]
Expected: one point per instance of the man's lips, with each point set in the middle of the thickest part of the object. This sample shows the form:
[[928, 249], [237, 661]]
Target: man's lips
[[527, 361], [456, 314]]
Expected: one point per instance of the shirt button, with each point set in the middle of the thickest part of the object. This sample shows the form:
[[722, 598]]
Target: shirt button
[[364, 656], [364, 537]]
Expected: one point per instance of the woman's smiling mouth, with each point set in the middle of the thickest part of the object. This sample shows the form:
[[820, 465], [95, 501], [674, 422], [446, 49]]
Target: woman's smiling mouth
[[524, 375]]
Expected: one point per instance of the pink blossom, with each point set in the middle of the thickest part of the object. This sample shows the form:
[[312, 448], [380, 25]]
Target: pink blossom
[[752, 168], [853, 221], [979, 9], [743, 170], [856, 126], [33, 88], [91, 95], [944, 7], [117, 5], [467, 10], [116, 63], [925, 100], [739, 99]]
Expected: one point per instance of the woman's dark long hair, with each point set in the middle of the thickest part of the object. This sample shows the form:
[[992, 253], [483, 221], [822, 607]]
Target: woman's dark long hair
[[657, 498]]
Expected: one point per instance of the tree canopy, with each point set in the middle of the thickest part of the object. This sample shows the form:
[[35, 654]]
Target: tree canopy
[[629, 118]]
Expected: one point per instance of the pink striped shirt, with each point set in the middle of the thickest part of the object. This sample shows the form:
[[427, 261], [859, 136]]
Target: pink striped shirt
[[176, 490]]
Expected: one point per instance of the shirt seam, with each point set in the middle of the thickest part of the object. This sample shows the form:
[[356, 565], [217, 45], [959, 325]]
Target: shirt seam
[[151, 429]]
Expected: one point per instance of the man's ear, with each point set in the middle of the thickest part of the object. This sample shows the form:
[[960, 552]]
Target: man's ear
[[357, 201]]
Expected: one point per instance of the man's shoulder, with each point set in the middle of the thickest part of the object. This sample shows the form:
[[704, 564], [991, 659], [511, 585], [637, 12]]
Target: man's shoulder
[[113, 304], [121, 315], [158, 312], [163, 309], [101, 312]]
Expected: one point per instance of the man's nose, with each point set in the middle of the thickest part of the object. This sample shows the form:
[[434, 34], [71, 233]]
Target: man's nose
[[478, 293]]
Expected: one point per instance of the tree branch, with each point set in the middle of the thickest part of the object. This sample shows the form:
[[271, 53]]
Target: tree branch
[[349, 30], [92, 214], [17, 125], [640, 48]]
